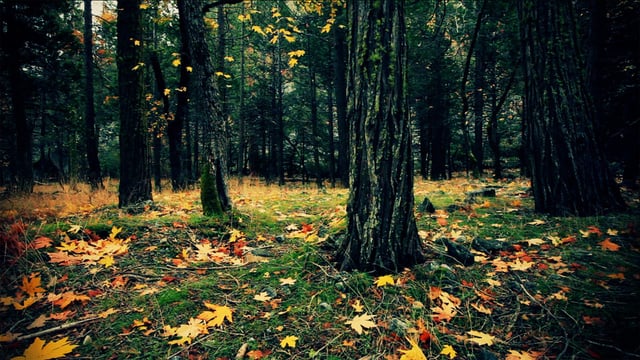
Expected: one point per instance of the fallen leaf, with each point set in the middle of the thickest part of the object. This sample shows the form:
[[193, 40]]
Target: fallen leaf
[[217, 316], [38, 322], [31, 285], [480, 338], [361, 321], [607, 244], [41, 242], [537, 222], [357, 306], [415, 353], [41, 350], [482, 309], [519, 355], [263, 296], [448, 350], [384, 280], [287, 281], [289, 341]]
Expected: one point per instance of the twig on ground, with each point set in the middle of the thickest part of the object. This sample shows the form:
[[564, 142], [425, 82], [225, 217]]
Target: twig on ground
[[57, 328]]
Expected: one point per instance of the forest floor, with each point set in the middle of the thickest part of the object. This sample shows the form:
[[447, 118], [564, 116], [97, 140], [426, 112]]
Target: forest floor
[[83, 279]]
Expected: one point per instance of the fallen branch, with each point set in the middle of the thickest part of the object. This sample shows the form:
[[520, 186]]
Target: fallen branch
[[56, 328]]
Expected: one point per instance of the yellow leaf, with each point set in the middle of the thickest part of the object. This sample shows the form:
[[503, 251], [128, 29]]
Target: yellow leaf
[[27, 302], [189, 69], [519, 355], [144, 6], [357, 306], [31, 285], [297, 53], [448, 350], [136, 42], [287, 281], [415, 353], [481, 338], [114, 232], [361, 321], [289, 341], [537, 222], [74, 229], [292, 62], [326, 28], [235, 234], [384, 280], [166, 93], [263, 296], [244, 17], [107, 261], [482, 309], [229, 58], [217, 316], [137, 67], [290, 38], [176, 62], [42, 351], [258, 29]]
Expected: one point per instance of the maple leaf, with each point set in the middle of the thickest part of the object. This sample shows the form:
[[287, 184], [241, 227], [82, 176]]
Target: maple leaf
[[41, 350], [482, 309], [519, 265], [607, 244], [107, 261], [357, 306], [31, 285], [41, 242], [361, 321], [287, 281], [27, 302], [74, 229], [537, 222], [384, 280], [289, 341], [263, 296], [415, 353], [65, 299], [519, 355], [258, 354], [188, 332], [480, 338], [38, 322], [448, 350], [217, 316]]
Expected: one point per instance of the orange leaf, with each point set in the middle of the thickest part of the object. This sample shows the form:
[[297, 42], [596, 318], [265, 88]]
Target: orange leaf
[[258, 354], [442, 221], [41, 350], [41, 242], [31, 285], [607, 244], [65, 299]]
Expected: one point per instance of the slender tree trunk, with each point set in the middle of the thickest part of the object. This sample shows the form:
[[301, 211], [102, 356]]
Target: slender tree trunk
[[91, 138], [570, 174], [478, 105], [382, 233], [340, 88], [241, 114], [135, 172], [332, 144]]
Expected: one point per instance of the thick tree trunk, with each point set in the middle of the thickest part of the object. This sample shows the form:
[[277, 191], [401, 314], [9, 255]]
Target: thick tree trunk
[[204, 93], [382, 233], [570, 174], [135, 172], [91, 138]]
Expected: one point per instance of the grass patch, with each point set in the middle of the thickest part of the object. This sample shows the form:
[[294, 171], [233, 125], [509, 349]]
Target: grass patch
[[557, 288]]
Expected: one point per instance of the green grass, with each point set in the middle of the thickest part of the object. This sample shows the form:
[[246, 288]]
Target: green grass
[[577, 299]]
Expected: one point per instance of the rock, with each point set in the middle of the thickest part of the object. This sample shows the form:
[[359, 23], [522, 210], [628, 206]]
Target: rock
[[488, 246], [426, 206], [459, 252]]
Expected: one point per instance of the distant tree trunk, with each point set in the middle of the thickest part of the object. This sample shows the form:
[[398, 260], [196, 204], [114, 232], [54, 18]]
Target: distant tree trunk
[[206, 97], [332, 145], [478, 105], [381, 232], [91, 138], [180, 120], [135, 172], [570, 174], [313, 104], [23, 156], [340, 88], [165, 117], [463, 87], [241, 114]]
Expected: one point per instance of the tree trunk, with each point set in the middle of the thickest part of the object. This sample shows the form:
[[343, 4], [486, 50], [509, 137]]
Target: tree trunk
[[340, 88], [204, 94], [23, 156], [135, 172], [570, 174], [91, 138], [478, 105], [382, 234]]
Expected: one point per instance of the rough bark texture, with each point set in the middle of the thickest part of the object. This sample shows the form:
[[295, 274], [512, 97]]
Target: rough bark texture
[[204, 93], [91, 138], [382, 234], [135, 172], [570, 174]]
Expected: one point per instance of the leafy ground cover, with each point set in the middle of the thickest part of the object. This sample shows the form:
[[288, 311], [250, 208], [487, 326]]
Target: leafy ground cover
[[84, 279]]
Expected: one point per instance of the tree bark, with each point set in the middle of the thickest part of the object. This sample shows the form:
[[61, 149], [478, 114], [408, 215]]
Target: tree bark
[[135, 172], [382, 233], [570, 174], [204, 93], [91, 138]]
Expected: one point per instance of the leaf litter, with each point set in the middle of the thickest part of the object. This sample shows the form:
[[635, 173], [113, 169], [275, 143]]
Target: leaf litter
[[171, 281]]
